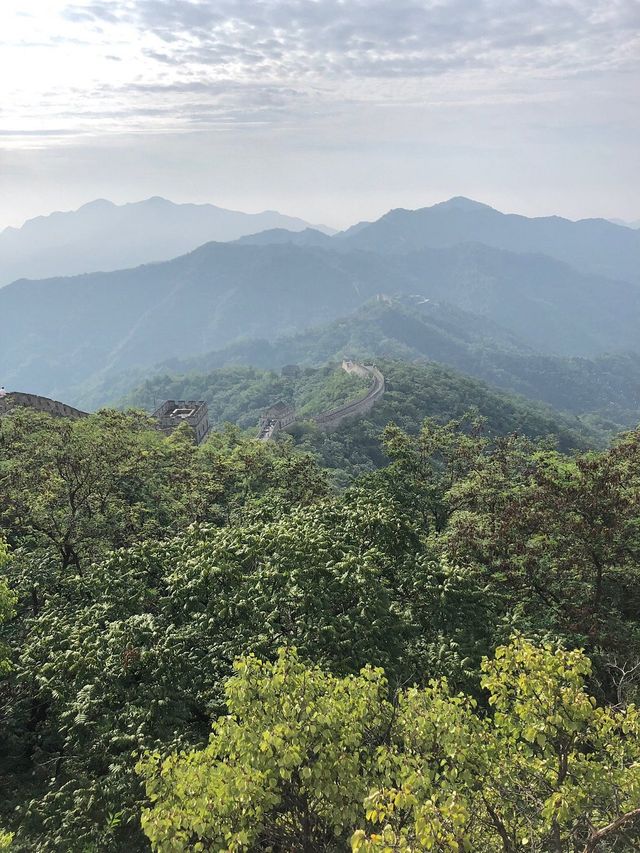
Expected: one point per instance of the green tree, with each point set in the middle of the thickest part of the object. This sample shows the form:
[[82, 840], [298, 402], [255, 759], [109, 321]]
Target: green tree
[[133, 654], [8, 600], [549, 771], [290, 766], [78, 487], [286, 769], [7, 610], [559, 533]]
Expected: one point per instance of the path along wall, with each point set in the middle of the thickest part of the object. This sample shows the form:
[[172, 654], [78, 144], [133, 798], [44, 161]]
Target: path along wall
[[332, 419]]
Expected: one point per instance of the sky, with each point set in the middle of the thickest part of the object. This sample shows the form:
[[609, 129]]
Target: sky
[[332, 110]]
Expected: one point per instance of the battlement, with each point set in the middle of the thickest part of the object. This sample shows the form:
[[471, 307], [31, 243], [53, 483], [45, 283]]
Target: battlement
[[16, 399], [169, 416], [173, 413]]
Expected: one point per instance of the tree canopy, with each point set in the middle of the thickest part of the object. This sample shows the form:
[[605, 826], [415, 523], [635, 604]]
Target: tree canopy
[[143, 567]]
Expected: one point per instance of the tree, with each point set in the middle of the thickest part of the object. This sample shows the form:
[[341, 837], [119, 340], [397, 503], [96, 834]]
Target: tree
[[426, 466], [133, 654], [8, 601], [7, 610], [559, 533], [289, 767], [79, 487], [286, 769]]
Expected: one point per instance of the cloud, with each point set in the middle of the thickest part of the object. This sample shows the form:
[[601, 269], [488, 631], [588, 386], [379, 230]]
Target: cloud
[[438, 91], [179, 63], [381, 38]]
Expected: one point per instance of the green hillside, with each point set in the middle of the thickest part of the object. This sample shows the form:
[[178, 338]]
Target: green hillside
[[415, 391], [603, 391], [62, 336], [239, 395]]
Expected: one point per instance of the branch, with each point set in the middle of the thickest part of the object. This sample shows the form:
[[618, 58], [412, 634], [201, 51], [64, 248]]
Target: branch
[[596, 837]]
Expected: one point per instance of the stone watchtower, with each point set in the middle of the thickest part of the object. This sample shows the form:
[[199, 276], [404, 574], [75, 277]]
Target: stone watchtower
[[275, 418], [172, 413]]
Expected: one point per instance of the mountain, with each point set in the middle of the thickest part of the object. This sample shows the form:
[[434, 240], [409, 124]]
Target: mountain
[[604, 390], [59, 334], [307, 237], [105, 236], [594, 246], [547, 304]]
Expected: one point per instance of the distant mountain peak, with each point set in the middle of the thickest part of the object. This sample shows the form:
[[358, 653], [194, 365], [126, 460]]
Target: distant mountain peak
[[156, 199], [461, 202], [96, 204], [105, 236]]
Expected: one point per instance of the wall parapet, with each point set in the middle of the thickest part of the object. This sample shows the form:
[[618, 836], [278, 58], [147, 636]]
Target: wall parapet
[[40, 404]]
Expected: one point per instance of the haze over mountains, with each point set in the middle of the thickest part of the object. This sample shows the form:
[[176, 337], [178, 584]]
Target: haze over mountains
[[105, 236], [635, 224], [499, 290], [591, 245]]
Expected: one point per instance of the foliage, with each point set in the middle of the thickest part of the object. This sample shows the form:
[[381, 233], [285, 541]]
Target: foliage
[[287, 768], [603, 391], [561, 534], [290, 765], [240, 394], [7, 611], [191, 557], [133, 653], [80, 488], [413, 393]]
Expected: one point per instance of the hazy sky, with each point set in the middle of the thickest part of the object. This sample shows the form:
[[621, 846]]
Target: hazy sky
[[334, 110]]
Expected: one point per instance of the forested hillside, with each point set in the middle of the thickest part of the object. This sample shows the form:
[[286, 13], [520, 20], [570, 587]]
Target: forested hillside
[[139, 568], [239, 395], [62, 336], [413, 392], [604, 390]]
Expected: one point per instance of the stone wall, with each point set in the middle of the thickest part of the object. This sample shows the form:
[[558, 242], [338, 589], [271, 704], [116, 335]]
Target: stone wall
[[332, 419], [198, 420], [40, 404], [173, 413]]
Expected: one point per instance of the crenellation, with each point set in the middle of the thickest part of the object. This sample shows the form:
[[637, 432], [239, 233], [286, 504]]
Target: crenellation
[[14, 399], [169, 416]]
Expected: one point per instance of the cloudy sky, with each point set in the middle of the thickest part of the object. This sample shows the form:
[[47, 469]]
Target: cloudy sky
[[334, 110]]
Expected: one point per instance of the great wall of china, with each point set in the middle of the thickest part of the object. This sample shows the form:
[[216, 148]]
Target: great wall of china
[[279, 416], [168, 417], [172, 413], [39, 404]]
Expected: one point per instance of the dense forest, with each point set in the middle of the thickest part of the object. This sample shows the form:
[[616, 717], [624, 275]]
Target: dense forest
[[234, 647]]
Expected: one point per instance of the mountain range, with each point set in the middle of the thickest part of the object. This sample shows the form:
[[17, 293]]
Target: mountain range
[[593, 246], [105, 236], [508, 299], [604, 391]]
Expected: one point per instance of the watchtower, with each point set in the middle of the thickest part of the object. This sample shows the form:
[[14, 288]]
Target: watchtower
[[173, 413]]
